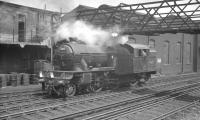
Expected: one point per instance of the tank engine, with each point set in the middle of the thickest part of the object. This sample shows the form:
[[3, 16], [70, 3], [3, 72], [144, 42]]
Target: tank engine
[[79, 67]]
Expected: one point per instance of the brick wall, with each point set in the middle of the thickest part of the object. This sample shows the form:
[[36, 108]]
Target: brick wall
[[176, 58]]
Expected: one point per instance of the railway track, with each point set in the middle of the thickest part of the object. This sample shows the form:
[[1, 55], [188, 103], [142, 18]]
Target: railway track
[[190, 112], [24, 95], [81, 107], [151, 109], [164, 79], [185, 111], [18, 95], [17, 104], [161, 86], [16, 100], [14, 106]]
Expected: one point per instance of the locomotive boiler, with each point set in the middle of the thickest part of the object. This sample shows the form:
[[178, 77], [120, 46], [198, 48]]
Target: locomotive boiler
[[80, 67]]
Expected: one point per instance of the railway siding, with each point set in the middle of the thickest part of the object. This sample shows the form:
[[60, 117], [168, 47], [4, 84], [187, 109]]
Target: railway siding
[[151, 109], [81, 105]]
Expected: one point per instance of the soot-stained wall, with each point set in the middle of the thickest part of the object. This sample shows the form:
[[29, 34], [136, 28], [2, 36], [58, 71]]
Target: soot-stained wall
[[13, 58], [25, 24]]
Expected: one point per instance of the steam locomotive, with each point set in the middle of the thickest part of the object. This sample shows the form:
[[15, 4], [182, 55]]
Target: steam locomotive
[[80, 67]]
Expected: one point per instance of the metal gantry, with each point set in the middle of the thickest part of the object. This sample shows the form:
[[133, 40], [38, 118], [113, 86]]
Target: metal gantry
[[151, 17]]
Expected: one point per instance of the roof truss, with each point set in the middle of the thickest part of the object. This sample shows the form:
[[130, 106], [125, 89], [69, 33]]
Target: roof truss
[[151, 17]]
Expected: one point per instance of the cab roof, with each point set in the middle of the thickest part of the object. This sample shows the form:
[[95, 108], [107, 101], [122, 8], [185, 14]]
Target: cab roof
[[137, 46]]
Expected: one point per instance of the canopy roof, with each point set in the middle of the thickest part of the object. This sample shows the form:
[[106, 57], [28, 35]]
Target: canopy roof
[[151, 17], [23, 44]]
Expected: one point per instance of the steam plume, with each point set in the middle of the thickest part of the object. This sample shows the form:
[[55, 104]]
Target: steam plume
[[83, 31]]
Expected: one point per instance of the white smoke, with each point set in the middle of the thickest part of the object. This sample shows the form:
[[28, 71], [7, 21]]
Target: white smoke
[[123, 39], [83, 31]]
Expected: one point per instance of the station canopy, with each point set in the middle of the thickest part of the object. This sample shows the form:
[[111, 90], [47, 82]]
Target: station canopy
[[144, 18]]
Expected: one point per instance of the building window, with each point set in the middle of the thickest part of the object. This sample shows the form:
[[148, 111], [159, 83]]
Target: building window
[[178, 52], [166, 52], [152, 43], [21, 27], [21, 17], [189, 52]]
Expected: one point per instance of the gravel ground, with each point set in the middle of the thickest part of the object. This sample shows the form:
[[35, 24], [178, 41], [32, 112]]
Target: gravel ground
[[192, 113]]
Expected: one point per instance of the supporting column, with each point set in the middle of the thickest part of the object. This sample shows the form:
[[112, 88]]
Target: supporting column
[[182, 52], [195, 53]]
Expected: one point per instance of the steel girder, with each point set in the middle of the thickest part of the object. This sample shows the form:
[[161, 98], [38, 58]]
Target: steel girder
[[151, 17]]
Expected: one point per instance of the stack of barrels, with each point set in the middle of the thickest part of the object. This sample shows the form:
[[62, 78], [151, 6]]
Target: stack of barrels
[[15, 79], [19, 79], [3, 80]]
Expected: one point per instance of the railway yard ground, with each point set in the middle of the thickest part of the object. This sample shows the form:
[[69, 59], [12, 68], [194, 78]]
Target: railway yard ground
[[162, 98]]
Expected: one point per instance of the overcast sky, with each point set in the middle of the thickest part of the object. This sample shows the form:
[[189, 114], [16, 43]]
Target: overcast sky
[[68, 5]]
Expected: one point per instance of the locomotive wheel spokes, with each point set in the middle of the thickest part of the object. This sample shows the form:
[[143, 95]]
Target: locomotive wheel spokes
[[43, 86], [147, 78], [49, 91], [70, 90], [133, 84], [141, 82], [96, 86]]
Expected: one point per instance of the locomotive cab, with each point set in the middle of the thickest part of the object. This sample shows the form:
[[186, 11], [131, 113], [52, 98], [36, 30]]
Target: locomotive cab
[[135, 61]]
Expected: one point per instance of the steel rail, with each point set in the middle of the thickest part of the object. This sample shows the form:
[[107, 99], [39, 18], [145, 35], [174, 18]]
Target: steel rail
[[164, 84], [119, 103], [113, 115], [28, 95], [51, 102], [54, 106], [47, 102], [176, 110]]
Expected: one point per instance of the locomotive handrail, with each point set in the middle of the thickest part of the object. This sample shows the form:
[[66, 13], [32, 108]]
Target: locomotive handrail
[[55, 78], [100, 69]]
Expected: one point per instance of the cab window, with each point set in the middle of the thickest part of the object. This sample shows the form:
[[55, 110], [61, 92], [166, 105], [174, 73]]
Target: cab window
[[142, 52], [145, 52]]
